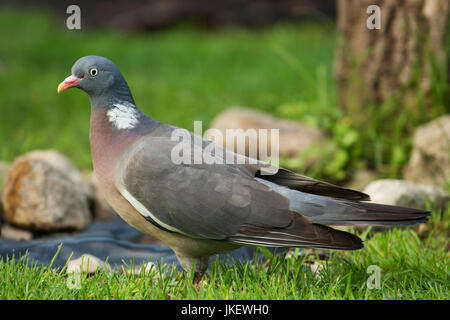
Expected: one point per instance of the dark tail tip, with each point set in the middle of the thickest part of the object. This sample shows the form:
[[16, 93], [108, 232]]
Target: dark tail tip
[[388, 215], [374, 214]]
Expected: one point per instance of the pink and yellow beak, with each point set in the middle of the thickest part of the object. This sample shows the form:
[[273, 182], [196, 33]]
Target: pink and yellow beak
[[68, 82]]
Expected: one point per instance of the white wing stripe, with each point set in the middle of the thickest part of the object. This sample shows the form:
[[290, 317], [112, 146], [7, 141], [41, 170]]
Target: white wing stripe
[[144, 211]]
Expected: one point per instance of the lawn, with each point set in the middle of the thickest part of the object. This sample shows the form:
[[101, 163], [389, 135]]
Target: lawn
[[185, 74], [410, 268]]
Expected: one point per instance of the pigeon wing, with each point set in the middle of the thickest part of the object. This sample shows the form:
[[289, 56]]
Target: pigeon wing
[[215, 201]]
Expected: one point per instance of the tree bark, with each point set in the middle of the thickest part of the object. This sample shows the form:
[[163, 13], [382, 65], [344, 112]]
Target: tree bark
[[401, 56]]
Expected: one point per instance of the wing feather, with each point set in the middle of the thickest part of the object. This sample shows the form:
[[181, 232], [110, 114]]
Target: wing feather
[[303, 183]]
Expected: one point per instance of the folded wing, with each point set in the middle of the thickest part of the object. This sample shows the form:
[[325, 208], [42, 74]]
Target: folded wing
[[215, 201]]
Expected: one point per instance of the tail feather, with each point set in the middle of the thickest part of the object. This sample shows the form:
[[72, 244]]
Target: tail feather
[[375, 214], [332, 211], [312, 216]]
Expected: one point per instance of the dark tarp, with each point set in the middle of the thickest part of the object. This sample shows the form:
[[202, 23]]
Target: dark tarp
[[114, 241]]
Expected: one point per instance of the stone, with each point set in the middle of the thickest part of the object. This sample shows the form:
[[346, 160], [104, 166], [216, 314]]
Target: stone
[[13, 233], [430, 158], [90, 264], [408, 194], [294, 137], [61, 162], [87, 263], [45, 192]]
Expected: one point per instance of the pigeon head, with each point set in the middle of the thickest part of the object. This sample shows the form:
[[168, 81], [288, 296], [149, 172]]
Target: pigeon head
[[100, 79]]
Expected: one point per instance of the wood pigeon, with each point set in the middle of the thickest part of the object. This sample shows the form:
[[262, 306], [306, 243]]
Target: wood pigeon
[[201, 209]]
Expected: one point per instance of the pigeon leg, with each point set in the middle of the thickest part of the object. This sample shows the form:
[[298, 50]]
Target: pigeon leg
[[199, 264]]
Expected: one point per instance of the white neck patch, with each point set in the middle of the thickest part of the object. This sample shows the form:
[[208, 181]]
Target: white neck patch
[[123, 115]]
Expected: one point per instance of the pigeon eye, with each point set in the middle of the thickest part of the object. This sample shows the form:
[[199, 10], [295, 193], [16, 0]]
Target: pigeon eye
[[93, 72]]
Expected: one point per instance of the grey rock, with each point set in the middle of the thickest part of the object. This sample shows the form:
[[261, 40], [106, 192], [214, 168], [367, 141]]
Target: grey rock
[[45, 192], [405, 193], [13, 233], [87, 263], [293, 136], [430, 158]]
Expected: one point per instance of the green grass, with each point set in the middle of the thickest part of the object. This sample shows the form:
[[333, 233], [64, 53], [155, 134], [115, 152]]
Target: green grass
[[411, 268]]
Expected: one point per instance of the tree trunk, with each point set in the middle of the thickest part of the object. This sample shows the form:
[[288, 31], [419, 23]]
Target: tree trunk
[[406, 55]]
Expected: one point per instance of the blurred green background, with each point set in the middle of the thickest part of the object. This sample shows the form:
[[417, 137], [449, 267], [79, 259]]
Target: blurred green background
[[177, 76], [186, 73]]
